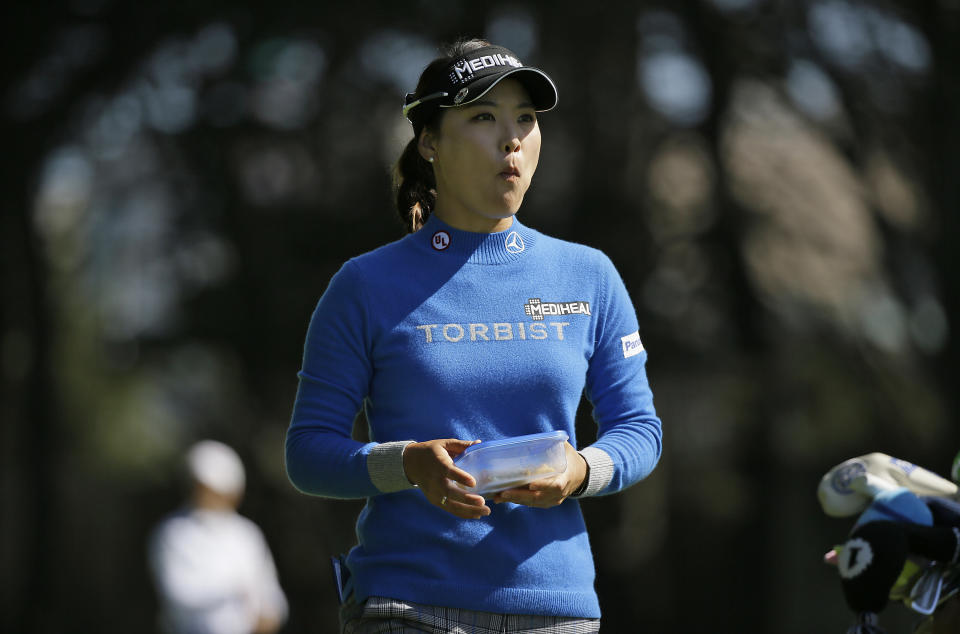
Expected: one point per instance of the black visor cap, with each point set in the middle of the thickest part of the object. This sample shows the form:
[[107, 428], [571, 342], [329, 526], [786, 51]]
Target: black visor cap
[[470, 77]]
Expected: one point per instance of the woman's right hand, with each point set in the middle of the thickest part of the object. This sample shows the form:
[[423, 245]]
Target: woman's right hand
[[429, 465]]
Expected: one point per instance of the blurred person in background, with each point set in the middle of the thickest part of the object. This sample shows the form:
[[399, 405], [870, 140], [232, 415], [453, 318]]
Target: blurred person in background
[[212, 568], [473, 326]]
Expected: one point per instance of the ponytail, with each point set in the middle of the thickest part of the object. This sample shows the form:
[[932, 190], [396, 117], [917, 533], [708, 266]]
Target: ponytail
[[414, 183], [415, 187]]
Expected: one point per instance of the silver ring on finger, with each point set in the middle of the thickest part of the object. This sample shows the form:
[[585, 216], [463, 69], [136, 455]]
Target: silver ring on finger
[[443, 500]]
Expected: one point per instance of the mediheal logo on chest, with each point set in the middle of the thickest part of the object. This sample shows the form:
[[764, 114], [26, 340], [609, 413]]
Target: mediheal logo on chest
[[538, 309], [631, 344]]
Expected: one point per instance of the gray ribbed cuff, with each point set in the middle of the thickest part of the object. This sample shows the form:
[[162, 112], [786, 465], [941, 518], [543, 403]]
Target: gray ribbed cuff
[[385, 466], [601, 470]]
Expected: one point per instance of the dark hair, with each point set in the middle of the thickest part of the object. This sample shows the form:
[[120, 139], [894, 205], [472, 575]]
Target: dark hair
[[414, 184]]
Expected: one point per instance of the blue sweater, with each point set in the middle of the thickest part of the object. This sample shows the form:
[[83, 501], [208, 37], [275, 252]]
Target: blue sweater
[[451, 334]]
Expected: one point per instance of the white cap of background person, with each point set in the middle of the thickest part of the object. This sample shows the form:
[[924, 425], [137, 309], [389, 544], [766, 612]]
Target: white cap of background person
[[217, 467]]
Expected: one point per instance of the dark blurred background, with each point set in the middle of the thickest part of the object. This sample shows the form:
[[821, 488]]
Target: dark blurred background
[[776, 181]]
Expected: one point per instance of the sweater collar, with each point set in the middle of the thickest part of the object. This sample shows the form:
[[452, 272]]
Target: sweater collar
[[500, 247]]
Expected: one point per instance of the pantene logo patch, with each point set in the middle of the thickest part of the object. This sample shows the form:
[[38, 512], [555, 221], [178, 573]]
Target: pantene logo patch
[[631, 344]]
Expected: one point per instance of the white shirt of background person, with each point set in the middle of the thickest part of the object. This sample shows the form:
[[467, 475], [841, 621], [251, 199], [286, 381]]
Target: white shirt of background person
[[212, 567]]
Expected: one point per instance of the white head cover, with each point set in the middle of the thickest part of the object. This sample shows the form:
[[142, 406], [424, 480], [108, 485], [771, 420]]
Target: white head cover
[[216, 466], [849, 486]]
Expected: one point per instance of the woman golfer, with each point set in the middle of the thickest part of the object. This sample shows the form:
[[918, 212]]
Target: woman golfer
[[474, 327]]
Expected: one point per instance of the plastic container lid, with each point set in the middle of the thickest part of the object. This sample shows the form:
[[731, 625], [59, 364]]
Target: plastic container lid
[[513, 462]]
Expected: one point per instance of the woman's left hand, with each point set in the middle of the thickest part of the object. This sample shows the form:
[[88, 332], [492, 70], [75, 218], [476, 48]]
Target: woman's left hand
[[550, 491]]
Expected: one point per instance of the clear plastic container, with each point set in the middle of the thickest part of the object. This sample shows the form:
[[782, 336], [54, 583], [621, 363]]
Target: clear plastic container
[[513, 462]]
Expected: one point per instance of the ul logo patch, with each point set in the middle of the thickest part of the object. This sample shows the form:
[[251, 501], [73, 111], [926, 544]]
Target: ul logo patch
[[440, 240]]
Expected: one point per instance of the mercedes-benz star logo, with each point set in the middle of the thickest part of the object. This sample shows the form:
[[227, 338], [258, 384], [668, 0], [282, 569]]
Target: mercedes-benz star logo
[[514, 243]]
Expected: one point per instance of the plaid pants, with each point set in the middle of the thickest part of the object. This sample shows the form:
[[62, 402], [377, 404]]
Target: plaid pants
[[380, 615]]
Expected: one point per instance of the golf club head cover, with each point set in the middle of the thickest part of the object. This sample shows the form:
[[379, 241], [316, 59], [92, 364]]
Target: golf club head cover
[[839, 498], [937, 543], [896, 505], [946, 511], [870, 562]]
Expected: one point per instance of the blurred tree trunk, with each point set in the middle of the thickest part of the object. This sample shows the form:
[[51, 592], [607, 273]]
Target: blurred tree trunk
[[33, 453], [30, 452], [728, 55], [600, 97], [27, 386], [941, 24]]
